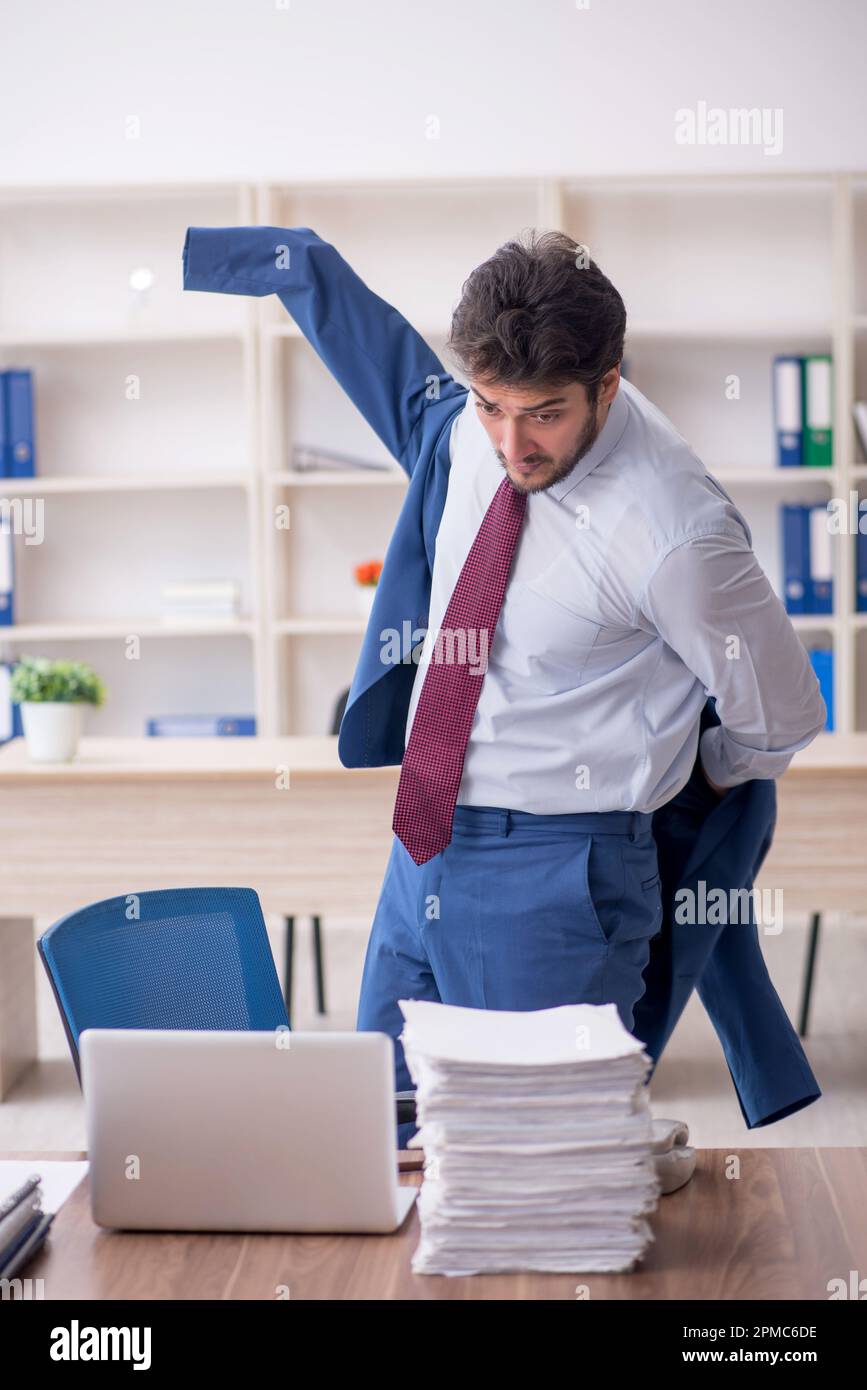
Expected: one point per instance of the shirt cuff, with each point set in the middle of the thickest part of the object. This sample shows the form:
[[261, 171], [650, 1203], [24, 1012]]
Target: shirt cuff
[[712, 759], [243, 260]]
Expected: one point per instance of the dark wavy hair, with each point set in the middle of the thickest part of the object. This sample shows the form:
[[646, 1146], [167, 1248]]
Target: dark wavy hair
[[530, 317]]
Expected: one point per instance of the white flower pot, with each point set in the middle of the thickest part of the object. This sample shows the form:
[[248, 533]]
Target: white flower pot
[[52, 729], [364, 596]]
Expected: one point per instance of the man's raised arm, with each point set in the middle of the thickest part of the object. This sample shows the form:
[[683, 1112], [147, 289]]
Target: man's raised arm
[[384, 366]]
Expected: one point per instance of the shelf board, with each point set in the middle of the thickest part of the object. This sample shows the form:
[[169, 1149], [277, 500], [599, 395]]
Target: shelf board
[[339, 478], [142, 482], [323, 627], [313, 626], [811, 622], [164, 482], [710, 331], [751, 477], [651, 330], [290, 329], [115, 628], [773, 477], [108, 337]]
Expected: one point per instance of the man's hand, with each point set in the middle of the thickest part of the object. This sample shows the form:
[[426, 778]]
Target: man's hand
[[720, 791]]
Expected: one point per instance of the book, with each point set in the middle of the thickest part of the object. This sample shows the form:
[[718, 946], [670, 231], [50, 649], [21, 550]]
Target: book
[[201, 726], [822, 662], [820, 590], [788, 394], [10, 714], [861, 571], [309, 458], [818, 411], [7, 573], [796, 556], [808, 583], [859, 411], [17, 432], [202, 600]]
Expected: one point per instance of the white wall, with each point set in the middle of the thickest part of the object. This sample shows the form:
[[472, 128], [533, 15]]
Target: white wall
[[302, 89]]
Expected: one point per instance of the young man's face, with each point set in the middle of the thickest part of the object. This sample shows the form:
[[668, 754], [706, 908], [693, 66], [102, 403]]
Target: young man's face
[[540, 435]]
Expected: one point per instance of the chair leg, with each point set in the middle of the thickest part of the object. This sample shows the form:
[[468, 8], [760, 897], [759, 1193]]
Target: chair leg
[[319, 965], [809, 971], [287, 974]]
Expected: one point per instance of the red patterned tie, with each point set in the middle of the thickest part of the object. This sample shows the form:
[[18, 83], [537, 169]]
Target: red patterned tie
[[434, 756]]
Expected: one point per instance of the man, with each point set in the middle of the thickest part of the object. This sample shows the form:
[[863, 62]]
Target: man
[[589, 584]]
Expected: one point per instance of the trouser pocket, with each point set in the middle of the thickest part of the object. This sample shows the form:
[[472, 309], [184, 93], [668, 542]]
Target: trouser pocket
[[641, 908]]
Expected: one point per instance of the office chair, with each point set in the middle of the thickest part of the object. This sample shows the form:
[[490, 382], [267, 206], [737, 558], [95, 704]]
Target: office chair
[[193, 958], [318, 960]]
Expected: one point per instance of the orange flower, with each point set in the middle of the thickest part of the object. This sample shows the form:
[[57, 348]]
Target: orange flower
[[368, 573]]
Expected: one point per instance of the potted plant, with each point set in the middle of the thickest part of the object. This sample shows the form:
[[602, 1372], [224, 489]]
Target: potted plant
[[51, 694], [366, 579]]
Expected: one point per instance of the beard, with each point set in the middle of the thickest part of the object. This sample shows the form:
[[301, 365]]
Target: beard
[[562, 467]]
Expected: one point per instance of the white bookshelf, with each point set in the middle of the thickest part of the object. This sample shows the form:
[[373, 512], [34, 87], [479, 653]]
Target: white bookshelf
[[718, 274], [146, 442]]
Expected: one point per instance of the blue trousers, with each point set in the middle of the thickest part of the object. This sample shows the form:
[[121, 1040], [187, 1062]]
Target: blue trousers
[[519, 911]]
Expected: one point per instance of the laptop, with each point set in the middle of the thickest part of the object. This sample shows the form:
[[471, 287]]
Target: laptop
[[242, 1131]]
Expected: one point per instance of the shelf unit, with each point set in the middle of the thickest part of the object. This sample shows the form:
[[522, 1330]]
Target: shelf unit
[[718, 274], [146, 442]]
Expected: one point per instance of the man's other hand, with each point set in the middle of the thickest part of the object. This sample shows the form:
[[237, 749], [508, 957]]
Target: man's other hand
[[720, 791]]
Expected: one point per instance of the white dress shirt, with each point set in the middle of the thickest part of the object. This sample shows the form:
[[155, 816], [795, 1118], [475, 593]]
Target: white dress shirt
[[633, 594]]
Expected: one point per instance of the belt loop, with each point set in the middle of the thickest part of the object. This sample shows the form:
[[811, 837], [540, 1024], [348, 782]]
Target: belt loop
[[505, 821]]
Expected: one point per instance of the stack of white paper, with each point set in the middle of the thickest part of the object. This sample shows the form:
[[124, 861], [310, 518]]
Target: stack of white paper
[[537, 1137], [200, 601]]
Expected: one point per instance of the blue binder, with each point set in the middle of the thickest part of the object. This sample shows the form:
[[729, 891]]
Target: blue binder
[[19, 452], [861, 572], [10, 715], [201, 726], [789, 410], [3, 428], [796, 557], [820, 589], [822, 662], [7, 574]]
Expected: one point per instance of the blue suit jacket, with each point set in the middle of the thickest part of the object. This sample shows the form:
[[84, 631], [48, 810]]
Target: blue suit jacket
[[410, 400]]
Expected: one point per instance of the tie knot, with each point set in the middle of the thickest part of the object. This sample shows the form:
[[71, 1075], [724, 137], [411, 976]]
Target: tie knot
[[508, 502]]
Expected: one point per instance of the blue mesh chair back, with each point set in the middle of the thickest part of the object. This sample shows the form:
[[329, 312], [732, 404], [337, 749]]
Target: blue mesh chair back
[[191, 958]]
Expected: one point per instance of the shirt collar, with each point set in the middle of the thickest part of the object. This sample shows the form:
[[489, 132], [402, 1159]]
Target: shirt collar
[[607, 439]]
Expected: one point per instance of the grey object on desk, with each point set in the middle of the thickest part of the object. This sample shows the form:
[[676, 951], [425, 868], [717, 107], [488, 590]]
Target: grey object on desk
[[673, 1157]]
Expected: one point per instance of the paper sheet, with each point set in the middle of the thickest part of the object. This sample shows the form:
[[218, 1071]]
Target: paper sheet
[[60, 1178]]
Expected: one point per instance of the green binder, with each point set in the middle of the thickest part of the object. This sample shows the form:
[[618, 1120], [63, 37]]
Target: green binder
[[818, 411]]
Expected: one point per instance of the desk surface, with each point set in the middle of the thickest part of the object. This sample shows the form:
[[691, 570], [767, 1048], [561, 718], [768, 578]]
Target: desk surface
[[182, 758], [793, 1220], [252, 758]]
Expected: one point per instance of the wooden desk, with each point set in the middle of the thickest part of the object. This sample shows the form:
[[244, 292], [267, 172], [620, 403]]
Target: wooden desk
[[136, 814], [792, 1220]]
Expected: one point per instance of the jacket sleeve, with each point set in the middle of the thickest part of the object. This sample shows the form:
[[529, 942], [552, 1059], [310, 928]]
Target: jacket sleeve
[[384, 366], [711, 602]]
